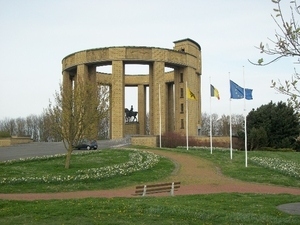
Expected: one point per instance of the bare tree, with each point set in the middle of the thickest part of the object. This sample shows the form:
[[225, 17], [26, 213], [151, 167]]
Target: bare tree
[[21, 126], [221, 126], [103, 109], [74, 115], [285, 44], [8, 125], [237, 122], [43, 130], [224, 125], [206, 124]]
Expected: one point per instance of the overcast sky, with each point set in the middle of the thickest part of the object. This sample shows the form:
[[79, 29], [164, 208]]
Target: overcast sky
[[37, 34]]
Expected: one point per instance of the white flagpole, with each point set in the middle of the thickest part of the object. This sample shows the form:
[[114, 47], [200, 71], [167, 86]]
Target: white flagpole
[[245, 126], [230, 125], [187, 118], [210, 119], [159, 101]]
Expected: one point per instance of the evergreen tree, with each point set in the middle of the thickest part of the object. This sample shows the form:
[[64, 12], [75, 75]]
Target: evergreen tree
[[278, 121]]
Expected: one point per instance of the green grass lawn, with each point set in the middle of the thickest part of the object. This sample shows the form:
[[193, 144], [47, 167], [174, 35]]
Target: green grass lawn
[[233, 208], [51, 167]]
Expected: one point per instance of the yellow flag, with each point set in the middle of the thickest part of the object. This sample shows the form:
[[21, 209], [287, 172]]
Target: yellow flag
[[190, 95]]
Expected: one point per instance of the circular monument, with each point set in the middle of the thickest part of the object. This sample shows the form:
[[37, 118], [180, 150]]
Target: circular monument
[[168, 102]]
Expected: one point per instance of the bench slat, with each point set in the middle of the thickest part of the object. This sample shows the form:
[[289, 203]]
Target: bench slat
[[158, 185], [157, 188]]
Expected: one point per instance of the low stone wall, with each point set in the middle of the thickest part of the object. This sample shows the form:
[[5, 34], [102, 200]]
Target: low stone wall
[[146, 140], [20, 140], [132, 128], [14, 140], [5, 142]]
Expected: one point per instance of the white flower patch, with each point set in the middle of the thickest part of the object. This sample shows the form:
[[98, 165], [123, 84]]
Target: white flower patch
[[284, 166], [46, 157], [137, 161]]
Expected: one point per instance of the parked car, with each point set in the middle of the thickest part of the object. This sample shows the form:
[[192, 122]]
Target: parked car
[[87, 144]]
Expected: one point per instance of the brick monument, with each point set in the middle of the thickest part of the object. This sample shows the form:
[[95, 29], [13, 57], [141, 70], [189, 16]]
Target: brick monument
[[167, 90]]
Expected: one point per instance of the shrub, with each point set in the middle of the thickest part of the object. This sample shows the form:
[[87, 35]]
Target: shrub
[[4, 134], [276, 149], [173, 140], [257, 138]]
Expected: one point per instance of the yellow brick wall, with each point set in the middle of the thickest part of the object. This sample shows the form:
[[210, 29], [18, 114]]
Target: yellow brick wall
[[132, 128], [14, 140], [149, 141]]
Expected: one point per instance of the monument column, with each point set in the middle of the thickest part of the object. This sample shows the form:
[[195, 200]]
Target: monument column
[[156, 83], [86, 77], [180, 101], [117, 112], [192, 81], [142, 108], [92, 74], [67, 80], [82, 74], [92, 80]]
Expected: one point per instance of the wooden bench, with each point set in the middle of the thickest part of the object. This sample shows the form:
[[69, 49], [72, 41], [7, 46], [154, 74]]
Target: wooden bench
[[157, 188]]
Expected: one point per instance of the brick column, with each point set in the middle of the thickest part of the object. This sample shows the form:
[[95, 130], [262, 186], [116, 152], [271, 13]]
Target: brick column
[[92, 80], [67, 80], [156, 79], [117, 112], [82, 73], [86, 75], [92, 73], [193, 106], [142, 108], [179, 101]]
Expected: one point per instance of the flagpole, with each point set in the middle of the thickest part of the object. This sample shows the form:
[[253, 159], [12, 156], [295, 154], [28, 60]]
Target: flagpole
[[245, 125], [187, 117], [159, 101], [230, 125], [210, 119]]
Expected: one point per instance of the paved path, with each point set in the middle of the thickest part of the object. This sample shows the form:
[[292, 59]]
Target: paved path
[[48, 148]]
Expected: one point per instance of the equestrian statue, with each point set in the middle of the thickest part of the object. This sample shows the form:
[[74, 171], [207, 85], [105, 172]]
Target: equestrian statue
[[130, 115]]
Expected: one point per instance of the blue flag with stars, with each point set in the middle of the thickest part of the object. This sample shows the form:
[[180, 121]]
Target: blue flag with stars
[[237, 92]]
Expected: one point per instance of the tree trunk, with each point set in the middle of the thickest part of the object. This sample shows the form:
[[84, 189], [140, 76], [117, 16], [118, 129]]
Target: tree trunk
[[68, 158]]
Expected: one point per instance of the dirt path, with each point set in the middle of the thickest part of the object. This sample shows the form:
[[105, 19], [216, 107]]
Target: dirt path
[[198, 176]]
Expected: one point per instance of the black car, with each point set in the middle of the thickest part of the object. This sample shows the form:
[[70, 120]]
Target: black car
[[87, 144]]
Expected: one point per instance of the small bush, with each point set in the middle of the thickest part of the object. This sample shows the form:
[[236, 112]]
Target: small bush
[[276, 149], [4, 134], [173, 140]]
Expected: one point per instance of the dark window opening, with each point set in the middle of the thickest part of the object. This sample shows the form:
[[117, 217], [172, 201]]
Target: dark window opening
[[181, 77], [182, 108]]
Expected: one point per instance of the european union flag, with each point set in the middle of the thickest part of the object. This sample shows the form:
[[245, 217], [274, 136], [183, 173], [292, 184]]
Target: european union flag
[[237, 92]]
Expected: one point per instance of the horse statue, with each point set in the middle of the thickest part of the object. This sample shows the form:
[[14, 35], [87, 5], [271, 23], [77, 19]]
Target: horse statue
[[129, 114]]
